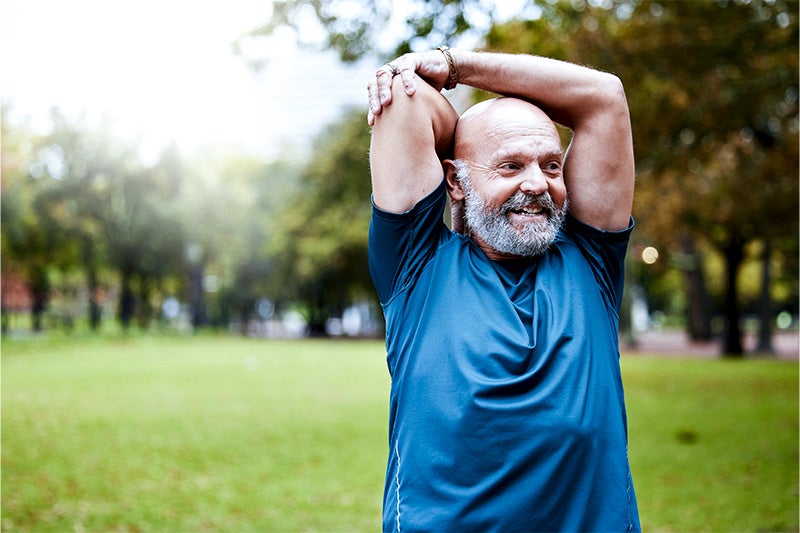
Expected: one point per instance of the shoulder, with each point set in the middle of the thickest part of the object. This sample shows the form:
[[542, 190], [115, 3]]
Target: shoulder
[[575, 228], [601, 252], [401, 244], [604, 249]]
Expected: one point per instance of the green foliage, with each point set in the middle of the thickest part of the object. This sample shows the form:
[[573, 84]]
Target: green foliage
[[292, 231], [321, 246], [231, 434], [732, 94], [232, 212], [354, 28]]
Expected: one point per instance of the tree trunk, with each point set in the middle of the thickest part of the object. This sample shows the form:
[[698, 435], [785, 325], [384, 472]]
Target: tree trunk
[[145, 312], [317, 317], [40, 291], [37, 310], [732, 340], [765, 303], [91, 284], [196, 295], [95, 312], [127, 302], [698, 308], [318, 310]]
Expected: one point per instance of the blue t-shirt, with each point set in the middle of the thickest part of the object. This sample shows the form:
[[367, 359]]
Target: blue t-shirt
[[506, 407]]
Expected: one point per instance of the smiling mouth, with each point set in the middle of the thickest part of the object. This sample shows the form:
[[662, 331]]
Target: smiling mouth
[[528, 210]]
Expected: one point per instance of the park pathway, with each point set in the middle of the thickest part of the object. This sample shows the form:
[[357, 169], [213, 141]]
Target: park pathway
[[677, 343]]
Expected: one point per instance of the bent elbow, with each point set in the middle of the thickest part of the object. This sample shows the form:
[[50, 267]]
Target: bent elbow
[[611, 91]]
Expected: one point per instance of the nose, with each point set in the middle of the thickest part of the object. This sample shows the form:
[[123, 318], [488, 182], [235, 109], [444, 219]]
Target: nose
[[533, 181]]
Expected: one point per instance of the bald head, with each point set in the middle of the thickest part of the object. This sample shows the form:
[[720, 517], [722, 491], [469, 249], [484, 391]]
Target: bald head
[[493, 119]]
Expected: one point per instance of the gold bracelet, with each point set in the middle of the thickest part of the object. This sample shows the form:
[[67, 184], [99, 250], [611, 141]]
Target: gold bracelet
[[452, 80]]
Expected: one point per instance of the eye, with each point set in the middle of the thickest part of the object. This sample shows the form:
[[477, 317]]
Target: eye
[[552, 166], [508, 165]]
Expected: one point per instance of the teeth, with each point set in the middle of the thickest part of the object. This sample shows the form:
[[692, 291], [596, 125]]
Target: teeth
[[529, 210]]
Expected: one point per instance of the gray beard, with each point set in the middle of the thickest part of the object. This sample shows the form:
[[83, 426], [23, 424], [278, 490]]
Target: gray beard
[[495, 229]]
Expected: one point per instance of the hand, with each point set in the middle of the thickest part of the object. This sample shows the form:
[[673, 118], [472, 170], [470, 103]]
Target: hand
[[431, 66]]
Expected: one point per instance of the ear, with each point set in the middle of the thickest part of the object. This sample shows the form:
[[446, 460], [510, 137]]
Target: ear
[[453, 185]]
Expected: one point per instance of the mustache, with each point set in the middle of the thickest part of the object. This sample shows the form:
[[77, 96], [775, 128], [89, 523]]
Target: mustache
[[521, 199]]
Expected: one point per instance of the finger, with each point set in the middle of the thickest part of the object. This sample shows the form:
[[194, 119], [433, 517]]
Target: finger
[[370, 119], [409, 80], [383, 79], [373, 98]]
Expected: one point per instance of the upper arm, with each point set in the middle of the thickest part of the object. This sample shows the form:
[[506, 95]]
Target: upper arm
[[599, 166], [409, 139]]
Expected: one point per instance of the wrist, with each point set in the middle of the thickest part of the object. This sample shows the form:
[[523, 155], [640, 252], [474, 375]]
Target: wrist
[[452, 68]]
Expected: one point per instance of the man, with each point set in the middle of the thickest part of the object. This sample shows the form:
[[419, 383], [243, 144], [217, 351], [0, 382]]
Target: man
[[506, 408]]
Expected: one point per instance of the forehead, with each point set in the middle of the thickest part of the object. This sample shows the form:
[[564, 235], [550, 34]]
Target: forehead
[[521, 136]]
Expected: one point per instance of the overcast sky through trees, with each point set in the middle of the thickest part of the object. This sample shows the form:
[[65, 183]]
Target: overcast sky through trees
[[166, 70]]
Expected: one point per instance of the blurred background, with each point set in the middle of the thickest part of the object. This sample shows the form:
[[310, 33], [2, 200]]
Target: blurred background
[[185, 205], [183, 165]]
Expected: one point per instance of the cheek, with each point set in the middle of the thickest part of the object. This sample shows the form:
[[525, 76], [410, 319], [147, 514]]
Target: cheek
[[558, 192], [496, 192]]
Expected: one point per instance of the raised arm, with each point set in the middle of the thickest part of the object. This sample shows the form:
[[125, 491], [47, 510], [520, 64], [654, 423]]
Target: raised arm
[[410, 138], [599, 166]]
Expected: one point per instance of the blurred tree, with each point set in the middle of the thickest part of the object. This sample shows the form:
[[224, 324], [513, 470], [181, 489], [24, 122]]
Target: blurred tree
[[321, 248], [99, 207], [67, 164], [254, 196], [144, 233], [27, 246], [79, 199], [358, 28], [723, 159]]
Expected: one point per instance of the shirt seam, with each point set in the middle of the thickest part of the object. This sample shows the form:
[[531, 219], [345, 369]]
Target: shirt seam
[[397, 484]]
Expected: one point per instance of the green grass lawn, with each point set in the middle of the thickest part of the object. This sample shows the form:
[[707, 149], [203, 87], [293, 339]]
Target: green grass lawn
[[229, 434], [714, 443]]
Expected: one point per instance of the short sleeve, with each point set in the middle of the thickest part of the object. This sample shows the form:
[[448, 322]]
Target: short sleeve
[[605, 251]]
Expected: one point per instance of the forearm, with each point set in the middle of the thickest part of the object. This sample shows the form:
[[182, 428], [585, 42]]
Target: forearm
[[569, 93]]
